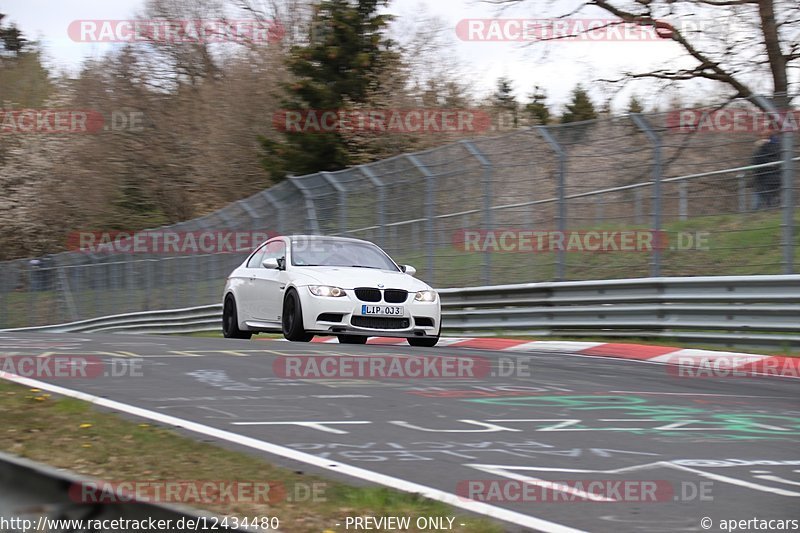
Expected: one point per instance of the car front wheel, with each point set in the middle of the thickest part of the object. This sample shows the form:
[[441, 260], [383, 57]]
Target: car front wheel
[[292, 319], [230, 321], [424, 342]]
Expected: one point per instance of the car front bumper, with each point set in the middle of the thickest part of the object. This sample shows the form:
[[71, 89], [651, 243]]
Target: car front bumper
[[343, 315]]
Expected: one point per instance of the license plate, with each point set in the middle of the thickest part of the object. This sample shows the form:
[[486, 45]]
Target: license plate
[[383, 310]]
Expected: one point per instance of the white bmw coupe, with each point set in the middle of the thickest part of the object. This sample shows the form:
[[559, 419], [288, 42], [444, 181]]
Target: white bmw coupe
[[305, 285]]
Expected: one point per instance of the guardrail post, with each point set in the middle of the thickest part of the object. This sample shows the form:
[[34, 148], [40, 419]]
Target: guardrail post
[[488, 222], [642, 124], [561, 216], [380, 207], [430, 213], [312, 223]]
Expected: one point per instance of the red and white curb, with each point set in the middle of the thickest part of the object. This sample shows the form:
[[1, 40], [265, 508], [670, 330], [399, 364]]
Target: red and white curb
[[688, 362]]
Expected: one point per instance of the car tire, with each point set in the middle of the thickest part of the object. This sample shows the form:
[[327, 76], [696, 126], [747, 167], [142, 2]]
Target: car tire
[[230, 321], [292, 319], [352, 339], [424, 342]]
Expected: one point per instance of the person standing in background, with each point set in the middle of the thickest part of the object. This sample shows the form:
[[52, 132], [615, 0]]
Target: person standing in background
[[767, 180]]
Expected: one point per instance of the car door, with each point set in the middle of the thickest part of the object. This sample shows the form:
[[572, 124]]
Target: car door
[[246, 298], [268, 284]]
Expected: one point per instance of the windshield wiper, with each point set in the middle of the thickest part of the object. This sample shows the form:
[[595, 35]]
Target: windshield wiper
[[365, 266]]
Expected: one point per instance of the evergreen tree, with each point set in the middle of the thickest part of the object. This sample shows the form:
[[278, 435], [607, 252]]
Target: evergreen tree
[[635, 106], [342, 62], [537, 106], [11, 38], [580, 108], [504, 99]]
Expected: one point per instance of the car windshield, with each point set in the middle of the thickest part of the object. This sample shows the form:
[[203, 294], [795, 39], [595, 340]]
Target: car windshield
[[331, 252]]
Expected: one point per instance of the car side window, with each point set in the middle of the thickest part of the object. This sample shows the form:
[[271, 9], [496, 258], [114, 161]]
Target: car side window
[[257, 258], [275, 250]]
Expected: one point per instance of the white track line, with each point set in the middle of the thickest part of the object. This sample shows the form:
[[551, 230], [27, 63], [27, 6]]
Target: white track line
[[498, 513], [694, 394]]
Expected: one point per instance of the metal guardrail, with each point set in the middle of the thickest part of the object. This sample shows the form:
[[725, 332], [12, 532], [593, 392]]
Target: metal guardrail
[[186, 320], [41, 494], [724, 310], [719, 310]]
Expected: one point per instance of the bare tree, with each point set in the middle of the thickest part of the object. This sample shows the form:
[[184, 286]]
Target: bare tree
[[736, 43], [292, 16]]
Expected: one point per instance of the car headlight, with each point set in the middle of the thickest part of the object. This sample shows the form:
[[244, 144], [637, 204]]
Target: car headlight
[[326, 290], [425, 296]]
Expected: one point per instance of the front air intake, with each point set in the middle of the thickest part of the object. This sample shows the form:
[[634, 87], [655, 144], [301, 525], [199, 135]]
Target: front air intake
[[368, 294]]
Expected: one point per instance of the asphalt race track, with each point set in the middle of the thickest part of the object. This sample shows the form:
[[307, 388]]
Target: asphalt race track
[[723, 448]]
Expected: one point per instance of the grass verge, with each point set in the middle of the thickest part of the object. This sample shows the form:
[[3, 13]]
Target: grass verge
[[72, 434]]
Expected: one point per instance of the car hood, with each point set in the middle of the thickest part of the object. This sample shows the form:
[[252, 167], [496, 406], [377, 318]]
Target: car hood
[[350, 278]]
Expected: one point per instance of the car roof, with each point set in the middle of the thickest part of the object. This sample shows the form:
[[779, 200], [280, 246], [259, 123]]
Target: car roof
[[326, 237]]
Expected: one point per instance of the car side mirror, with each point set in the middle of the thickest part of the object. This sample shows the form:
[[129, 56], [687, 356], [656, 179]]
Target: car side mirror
[[408, 269], [271, 263]]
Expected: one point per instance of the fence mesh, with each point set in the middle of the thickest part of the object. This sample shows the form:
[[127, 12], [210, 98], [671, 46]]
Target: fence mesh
[[530, 205]]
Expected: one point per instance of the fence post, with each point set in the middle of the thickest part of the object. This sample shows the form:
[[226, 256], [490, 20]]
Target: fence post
[[381, 206], [742, 185], [787, 235], [683, 200], [7, 281], [637, 205], [787, 184], [561, 215], [642, 124], [488, 223], [276, 205], [312, 224], [93, 281], [252, 214], [599, 211], [341, 199], [430, 212], [148, 283]]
